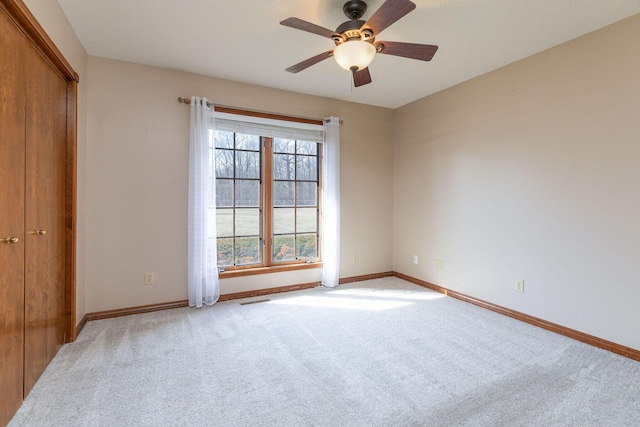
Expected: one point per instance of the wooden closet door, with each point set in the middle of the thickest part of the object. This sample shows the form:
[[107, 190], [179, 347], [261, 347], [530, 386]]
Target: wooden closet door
[[12, 153], [44, 216]]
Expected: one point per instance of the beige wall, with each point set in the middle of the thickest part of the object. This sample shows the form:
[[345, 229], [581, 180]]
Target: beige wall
[[137, 181], [531, 172], [55, 23]]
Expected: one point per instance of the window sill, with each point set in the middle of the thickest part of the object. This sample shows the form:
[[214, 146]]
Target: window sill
[[267, 270]]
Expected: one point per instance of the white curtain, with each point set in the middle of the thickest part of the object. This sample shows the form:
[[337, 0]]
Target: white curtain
[[331, 203], [203, 283]]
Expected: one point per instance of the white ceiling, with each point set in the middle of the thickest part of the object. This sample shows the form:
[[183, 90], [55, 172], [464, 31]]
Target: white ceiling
[[243, 41]]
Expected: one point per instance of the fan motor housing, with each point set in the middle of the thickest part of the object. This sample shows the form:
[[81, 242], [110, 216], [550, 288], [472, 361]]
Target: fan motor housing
[[350, 30]]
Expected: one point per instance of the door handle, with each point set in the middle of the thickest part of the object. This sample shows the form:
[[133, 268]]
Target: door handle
[[41, 232], [11, 240]]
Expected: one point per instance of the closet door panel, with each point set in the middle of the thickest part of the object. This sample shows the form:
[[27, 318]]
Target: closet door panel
[[44, 216], [12, 152]]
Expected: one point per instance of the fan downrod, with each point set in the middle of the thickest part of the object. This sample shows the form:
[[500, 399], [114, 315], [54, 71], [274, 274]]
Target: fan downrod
[[354, 9]]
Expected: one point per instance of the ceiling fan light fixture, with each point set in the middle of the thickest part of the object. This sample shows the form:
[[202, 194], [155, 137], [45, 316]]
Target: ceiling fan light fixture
[[354, 55], [354, 39]]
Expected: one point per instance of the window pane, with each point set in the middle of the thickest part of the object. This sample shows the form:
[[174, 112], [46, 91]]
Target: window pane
[[305, 147], [307, 167], [306, 220], [281, 145], [307, 246], [247, 142], [306, 194], [224, 193], [284, 166], [224, 222], [225, 252], [283, 248], [224, 163], [247, 193], [247, 164], [247, 250], [283, 193], [247, 222], [224, 139], [283, 221]]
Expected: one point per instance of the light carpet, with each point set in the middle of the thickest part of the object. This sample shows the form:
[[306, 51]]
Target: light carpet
[[381, 352]]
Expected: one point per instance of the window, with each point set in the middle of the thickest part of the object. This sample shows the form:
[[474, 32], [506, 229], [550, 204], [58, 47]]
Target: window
[[238, 174], [295, 200], [267, 200]]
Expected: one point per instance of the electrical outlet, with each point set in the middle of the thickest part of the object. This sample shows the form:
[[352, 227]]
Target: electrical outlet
[[520, 285], [355, 258], [148, 278], [415, 259], [439, 265]]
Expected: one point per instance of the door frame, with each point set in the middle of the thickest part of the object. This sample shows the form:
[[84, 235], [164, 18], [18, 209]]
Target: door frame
[[24, 20]]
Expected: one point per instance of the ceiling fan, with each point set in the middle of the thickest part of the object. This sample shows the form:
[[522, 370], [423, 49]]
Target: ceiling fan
[[355, 39]]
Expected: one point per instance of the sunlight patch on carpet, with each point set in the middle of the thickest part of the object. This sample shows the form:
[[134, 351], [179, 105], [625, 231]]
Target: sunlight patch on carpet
[[344, 303], [389, 293]]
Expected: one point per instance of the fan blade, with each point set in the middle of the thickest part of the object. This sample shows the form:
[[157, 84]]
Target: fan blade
[[361, 77], [387, 14], [423, 52], [309, 62], [299, 24]]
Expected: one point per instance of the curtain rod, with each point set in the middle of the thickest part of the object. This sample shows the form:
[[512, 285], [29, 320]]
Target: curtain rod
[[232, 110], [188, 101]]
